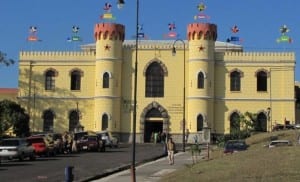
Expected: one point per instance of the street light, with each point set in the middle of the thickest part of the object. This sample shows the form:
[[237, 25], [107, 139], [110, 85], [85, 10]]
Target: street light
[[183, 119], [135, 94], [29, 92]]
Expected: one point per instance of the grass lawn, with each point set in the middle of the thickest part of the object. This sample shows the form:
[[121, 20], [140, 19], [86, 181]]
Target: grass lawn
[[258, 163]]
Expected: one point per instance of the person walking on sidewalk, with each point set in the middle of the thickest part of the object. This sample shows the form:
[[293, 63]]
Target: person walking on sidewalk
[[171, 150]]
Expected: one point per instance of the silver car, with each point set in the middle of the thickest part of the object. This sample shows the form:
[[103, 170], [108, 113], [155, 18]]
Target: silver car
[[110, 140], [16, 148]]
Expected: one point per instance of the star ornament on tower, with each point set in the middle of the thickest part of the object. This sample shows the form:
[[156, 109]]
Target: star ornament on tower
[[201, 48], [107, 47]]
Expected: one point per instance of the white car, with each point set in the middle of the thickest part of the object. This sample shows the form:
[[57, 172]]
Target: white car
[[110, 140], [279, 143], [297, 126], [19, 148]]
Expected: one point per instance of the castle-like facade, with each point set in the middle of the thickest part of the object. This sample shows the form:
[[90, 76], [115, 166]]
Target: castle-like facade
[[207, 83]]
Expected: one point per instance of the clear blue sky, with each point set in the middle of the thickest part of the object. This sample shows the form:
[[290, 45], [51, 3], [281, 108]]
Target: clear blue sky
[[259, 22]]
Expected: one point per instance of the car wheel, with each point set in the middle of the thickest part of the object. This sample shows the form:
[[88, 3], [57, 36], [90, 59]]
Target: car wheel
[[21, 157], [32, 157]]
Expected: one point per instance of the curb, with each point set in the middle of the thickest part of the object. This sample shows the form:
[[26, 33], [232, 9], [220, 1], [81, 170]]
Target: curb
[[111, 171]]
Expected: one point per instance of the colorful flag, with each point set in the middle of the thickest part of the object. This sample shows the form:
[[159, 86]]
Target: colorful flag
[[284, 38], [172, 33], [234, 38], [33, 34], [201, 8], [75, 37]]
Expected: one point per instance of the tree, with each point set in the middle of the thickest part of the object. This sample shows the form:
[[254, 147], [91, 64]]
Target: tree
[[13, 115], [244, 124], [4, 60]]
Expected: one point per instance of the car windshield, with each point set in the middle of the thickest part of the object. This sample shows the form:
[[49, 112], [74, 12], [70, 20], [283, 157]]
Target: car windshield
[[36, 140], [56, 137], [93, 138], [235, 144], [10, 143]]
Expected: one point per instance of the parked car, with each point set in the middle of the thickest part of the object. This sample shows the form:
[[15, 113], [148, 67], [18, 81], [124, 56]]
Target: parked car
[[297, 126], [278, 127], [41, 146], [91, 143], [279, 143], [232, 146], [16, 148], [110, 140], [290, 126], [55, 141]]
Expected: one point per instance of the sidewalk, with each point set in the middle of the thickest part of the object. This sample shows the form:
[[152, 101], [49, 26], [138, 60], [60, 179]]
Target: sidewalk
[[153, 171]]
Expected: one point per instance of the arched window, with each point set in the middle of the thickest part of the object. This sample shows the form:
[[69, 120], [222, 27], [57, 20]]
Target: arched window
[[49, 80], [261, 81], [104, 122], [154, 80], [234, 122], [261, 123], [105, 80], [235, 81], [73, 120], [48, 117], [75, 80], [200, 80], [200, 121]]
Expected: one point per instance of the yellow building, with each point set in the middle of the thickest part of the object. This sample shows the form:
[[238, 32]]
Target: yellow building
[[207, 83]]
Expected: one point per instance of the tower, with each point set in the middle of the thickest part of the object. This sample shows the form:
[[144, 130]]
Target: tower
[[201, 39], [109, 38]]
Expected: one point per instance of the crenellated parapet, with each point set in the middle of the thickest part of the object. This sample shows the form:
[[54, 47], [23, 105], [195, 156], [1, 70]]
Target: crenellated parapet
[[56, 55], [109, 31], [256, 56], [153, 44], [205, 31]]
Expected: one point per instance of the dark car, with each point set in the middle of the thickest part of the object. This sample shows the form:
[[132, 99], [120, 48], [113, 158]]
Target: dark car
[[232, 146], [278, 127], [91, 143]]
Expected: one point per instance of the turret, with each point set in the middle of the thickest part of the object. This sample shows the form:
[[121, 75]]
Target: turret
[[201, 39], [109, 39]]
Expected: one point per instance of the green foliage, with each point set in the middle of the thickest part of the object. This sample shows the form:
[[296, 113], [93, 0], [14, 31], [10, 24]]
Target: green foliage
[[12, 115], [242, 127], [4, 60]]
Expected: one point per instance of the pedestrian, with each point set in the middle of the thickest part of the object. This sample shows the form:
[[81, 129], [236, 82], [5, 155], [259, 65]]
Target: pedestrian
[[163, 137], [171, 150], [155, 137], [74, 144]]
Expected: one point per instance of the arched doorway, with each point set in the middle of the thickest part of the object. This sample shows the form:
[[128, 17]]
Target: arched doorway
[[73, 120], [48, 117], [261, 124], [154, 119]]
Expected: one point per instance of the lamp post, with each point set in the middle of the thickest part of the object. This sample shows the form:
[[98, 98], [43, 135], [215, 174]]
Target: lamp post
[[133, 176], [29, 92], [183, 119]]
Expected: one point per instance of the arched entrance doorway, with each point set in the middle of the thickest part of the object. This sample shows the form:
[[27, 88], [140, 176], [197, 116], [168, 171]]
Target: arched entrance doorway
[[154, 119], [152, 127]]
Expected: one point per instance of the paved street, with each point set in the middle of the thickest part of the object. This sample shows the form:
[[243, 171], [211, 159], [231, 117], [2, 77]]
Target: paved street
[[87, 166]]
